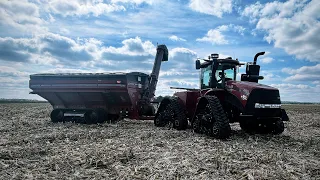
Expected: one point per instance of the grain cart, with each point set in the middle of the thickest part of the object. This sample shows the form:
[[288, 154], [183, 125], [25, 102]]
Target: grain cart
[[222, 100], [95, 97]]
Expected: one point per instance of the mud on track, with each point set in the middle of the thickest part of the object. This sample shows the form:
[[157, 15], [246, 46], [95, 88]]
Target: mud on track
[[34, 148]]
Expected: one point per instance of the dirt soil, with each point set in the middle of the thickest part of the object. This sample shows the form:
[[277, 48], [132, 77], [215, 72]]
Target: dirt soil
[[31, 147]]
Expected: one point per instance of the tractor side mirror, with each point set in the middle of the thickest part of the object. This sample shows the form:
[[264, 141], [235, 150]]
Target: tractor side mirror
[[197, 64]]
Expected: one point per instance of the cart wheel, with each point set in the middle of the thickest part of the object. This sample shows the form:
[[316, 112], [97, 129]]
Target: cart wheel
[[56, 115], [102, 115], [91, 117]]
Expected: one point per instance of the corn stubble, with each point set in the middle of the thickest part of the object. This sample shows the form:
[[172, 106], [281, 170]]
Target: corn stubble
[[31, 147]]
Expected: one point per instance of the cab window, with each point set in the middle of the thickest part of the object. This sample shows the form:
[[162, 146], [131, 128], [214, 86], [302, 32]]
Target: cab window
[[205, 77]]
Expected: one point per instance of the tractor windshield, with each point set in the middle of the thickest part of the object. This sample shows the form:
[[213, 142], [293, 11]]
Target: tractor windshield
[[224, 71], [229, 72]]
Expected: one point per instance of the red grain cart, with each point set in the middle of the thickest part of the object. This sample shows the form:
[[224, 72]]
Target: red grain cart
[[95, 97]]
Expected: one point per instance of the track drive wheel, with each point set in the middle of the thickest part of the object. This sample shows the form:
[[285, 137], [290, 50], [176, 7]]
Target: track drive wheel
[[213, 120], [173, 114], [56, 115]]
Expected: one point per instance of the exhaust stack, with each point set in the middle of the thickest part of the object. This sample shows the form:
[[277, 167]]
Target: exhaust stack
[[256, 57]]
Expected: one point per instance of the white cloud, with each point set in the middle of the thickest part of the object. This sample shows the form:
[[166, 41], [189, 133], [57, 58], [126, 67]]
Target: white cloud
[[134, 1], [10, 71], [21, 14], [291, 86], [176, 38], [215, 36], [292, 25], [298, 92], [64, 31], [266, 60], [239, 29], [182, 55], [51, 18], [133, 47], [56, 49], [81, 7], [212, 7], [305, 73]]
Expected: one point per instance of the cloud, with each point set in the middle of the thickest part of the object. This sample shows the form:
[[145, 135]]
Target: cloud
[[183, 56], [10, 71], [21, 14], [305, 73], [176, 38], [215, 36], [291, 86], [133, 49], [266, 60], [212, 7], [47, 47], [81, 7], [138, 2], [298, 92], [292, 25], [56, 49]]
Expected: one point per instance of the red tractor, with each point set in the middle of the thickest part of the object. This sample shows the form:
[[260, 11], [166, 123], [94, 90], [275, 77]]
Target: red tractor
[[222, 100]]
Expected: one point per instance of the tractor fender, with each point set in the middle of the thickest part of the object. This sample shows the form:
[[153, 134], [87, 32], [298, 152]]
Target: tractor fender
[[227, 97]]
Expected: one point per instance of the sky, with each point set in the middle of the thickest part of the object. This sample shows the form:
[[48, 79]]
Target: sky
[[58, 36]]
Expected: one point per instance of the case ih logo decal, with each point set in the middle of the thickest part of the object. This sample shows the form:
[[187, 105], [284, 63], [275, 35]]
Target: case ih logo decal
[[244, 97]]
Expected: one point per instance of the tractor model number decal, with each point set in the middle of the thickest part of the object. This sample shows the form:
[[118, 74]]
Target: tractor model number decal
[[244, 97], [245, 92]]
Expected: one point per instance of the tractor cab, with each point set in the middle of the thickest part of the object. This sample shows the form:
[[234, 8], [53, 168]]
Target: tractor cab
[[215, 72]]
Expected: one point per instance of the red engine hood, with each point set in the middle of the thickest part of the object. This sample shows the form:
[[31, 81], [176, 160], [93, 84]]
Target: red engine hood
[[247, 85], [242, 89]]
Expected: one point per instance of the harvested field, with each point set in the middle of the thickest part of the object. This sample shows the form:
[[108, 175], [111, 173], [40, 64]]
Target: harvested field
[[31, 147]]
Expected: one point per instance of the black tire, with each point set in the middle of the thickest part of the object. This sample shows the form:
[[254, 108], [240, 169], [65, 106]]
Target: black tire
[[102, 115], [91, 117], [56, 115], [219, 126]]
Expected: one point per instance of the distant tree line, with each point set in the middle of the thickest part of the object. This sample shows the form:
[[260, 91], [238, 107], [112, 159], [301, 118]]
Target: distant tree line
[[294, 102]]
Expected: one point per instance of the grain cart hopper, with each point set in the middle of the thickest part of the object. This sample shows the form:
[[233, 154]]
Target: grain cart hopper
[[222, 100], [95, 97]]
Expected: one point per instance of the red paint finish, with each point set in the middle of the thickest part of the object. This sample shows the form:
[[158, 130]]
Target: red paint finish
[[242, 89], [112, 92], [189, 100]]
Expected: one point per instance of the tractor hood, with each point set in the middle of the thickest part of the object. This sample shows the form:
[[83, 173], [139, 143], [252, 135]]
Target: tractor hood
[[250, 93], [247, 85]]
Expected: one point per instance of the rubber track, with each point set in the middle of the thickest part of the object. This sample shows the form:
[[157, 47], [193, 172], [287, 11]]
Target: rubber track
[[221, 120], [182, 118]]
